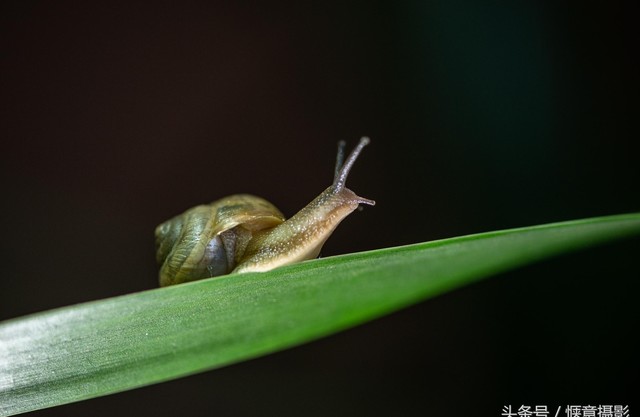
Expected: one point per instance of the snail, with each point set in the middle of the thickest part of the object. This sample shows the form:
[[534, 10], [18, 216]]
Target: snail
[[245, 233]]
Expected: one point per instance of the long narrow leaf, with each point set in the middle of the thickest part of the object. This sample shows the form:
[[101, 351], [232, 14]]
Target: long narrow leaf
[[116, 344]]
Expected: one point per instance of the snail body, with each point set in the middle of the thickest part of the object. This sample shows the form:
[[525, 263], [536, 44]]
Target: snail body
[[245, 233]]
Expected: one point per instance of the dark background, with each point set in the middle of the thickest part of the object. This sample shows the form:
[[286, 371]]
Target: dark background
[[483, 115]]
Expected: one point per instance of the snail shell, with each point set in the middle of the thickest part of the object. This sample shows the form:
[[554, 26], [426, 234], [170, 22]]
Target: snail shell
[[244, 233], [206, 240]]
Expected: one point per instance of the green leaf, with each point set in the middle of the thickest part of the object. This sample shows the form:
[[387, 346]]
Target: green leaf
[[97, 348]]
